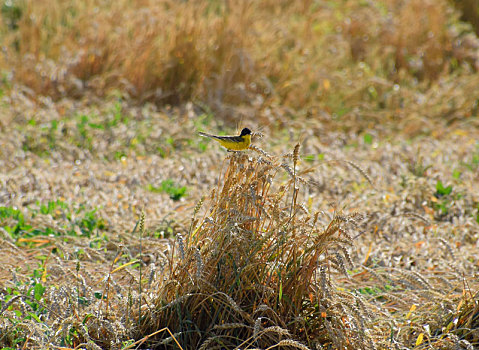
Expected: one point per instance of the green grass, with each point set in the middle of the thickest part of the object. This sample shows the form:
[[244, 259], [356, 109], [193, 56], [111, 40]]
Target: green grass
[[75, 220], [32, 292], [169, 187], [441, 190]]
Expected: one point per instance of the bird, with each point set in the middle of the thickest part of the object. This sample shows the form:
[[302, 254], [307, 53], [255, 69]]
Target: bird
[[233, 143]]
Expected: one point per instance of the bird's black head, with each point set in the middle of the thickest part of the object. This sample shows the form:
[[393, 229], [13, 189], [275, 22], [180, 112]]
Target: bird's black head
[[245, 131]]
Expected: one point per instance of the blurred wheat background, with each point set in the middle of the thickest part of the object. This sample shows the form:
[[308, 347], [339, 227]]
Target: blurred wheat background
[[351, 223]]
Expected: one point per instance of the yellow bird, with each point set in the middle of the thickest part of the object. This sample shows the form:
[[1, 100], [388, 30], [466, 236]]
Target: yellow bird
[[233, 143]]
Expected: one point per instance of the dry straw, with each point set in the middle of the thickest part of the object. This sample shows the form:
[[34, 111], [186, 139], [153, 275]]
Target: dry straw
[[257, 253]]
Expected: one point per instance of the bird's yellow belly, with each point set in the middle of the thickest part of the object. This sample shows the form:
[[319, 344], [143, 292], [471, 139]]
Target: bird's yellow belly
[[236, 146]]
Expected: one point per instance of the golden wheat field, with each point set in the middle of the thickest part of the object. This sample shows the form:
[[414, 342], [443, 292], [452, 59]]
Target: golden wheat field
[[351, 222]]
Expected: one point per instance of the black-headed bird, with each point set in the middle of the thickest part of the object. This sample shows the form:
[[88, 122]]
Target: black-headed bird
[[233, 143]]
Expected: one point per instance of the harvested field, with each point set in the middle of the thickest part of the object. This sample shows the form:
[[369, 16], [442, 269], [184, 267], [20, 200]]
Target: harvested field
[[351, 223]]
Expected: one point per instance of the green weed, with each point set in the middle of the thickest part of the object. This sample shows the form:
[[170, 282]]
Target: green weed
[[368, 139], [370, 291], [119, 155], [204, 119], [72, 221], [83, 125], [202, 146], [443, 201], [418, 168], [169, 187], [166, 229], [444, 198], [11, 12], [118, 116], [441, 190], [311, 158], [41, 142], [8, 214], [32, 293]]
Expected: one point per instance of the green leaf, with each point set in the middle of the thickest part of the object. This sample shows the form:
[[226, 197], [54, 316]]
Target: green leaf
[[35, 317], [169, 187], [309, 158], [280, 291], [368, 139], [87, 316], [153, 189], [38, 291], [441, 190]]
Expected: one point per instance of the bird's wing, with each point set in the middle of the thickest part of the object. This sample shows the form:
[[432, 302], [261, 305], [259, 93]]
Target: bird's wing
[[237, 139]]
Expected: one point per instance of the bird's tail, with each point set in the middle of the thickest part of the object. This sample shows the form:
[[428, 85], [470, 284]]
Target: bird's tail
[[207, 135]]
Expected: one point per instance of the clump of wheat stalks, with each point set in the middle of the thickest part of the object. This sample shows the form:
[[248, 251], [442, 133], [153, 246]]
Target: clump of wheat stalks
[[455, 327], [254, 271]]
